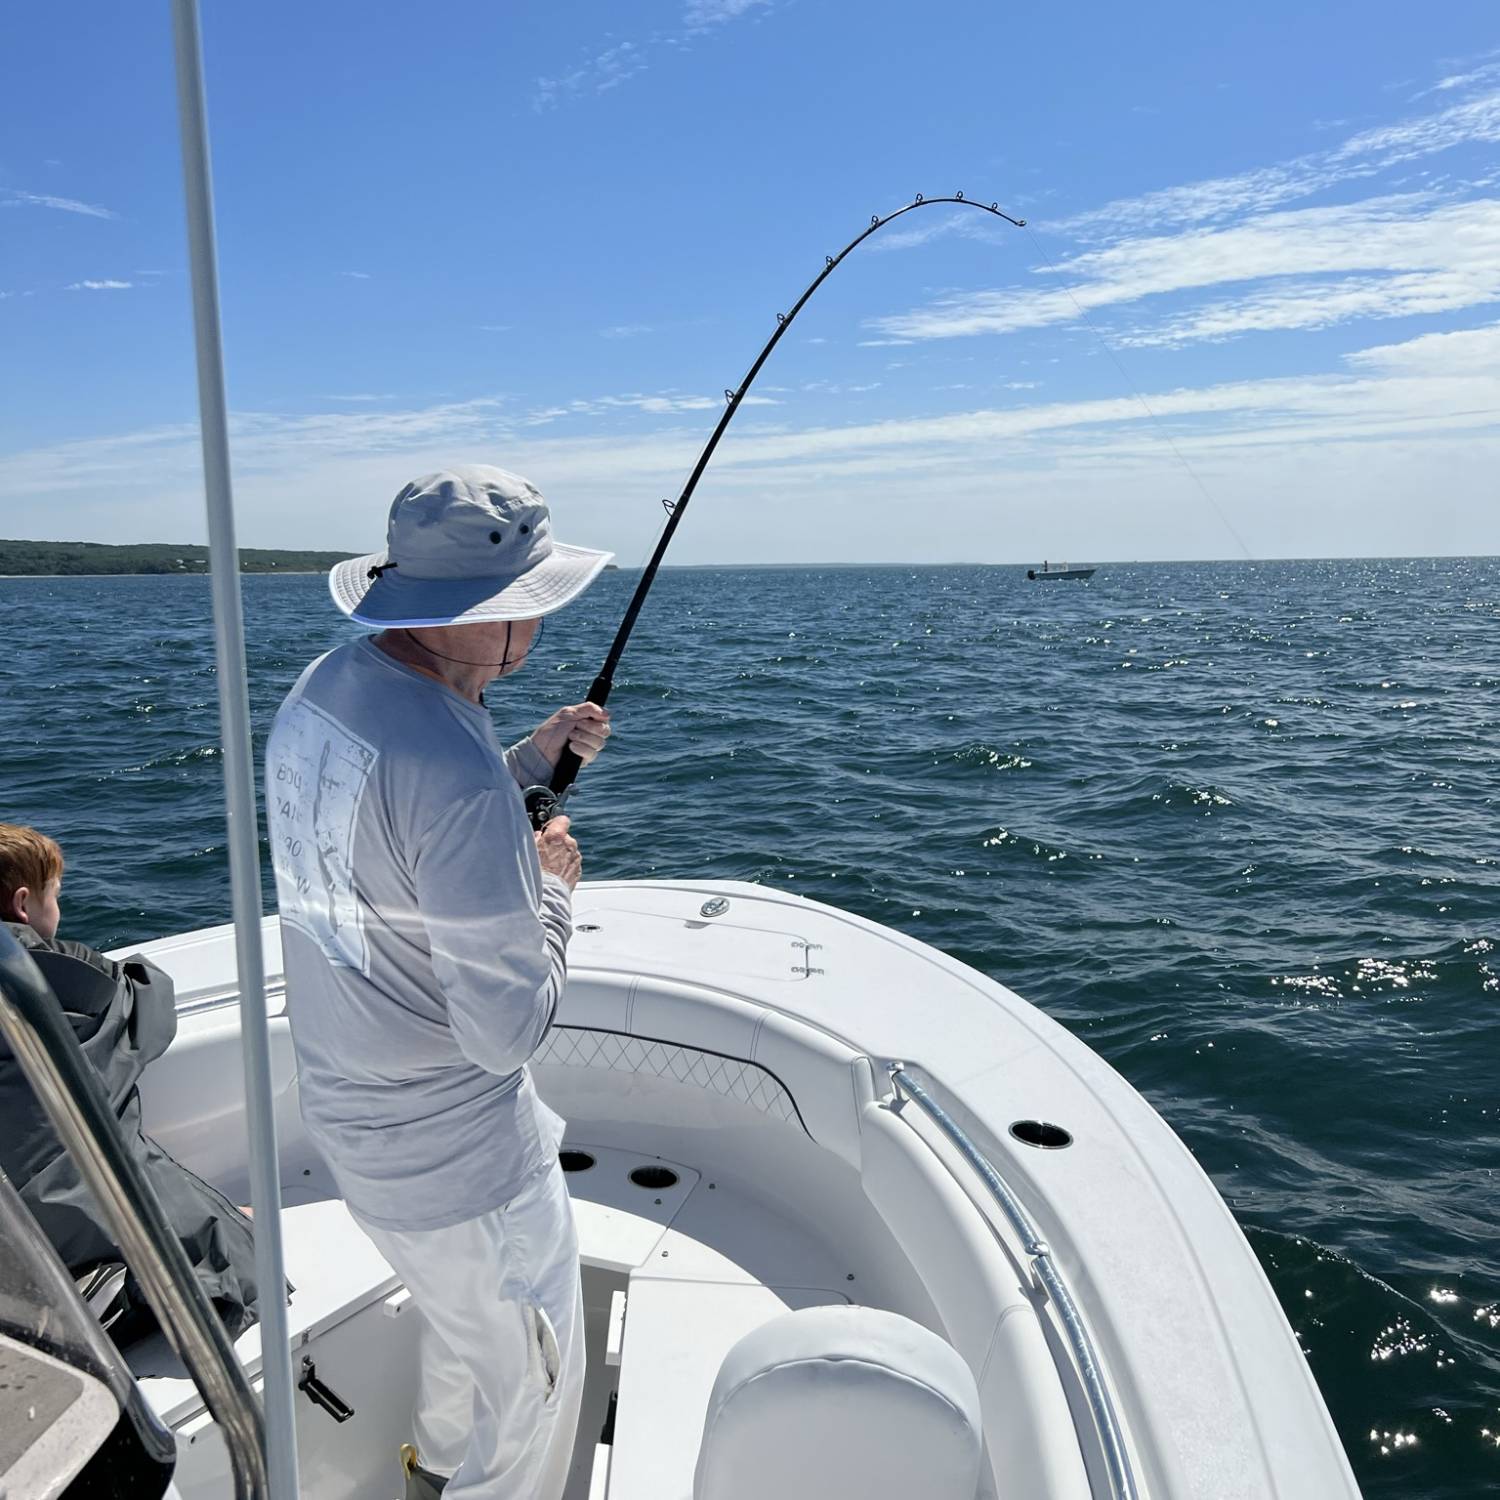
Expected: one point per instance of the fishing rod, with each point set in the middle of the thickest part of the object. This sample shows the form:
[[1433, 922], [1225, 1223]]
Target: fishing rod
[[545, 802]]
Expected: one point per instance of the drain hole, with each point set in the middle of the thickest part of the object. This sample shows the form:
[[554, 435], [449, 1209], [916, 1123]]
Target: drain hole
[[654, 1179], [575, 1161], [1041, 1133]]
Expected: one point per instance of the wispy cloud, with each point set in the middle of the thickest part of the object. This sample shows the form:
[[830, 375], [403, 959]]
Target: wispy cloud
[[701, 15], [100, 286], [1214, 260], [598, 73], [1487, 72], [356, 275], [1474, 120], [625, 331], [959, 225], [1433, 384], [1385, 257], [1466, 352], [659, 406], [1290, 450], [607, 68], [16, 199], [1475, 73], [614, 65], [670, 403]]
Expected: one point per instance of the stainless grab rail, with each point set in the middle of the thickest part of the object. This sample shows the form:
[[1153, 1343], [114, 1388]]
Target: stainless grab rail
[[32, 1022], [243, 824], [1101, 1404]]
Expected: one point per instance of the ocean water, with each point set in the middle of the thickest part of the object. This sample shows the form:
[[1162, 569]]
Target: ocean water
[[1233, 824]]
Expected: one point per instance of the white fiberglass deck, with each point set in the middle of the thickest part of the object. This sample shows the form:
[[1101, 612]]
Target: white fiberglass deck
[[748, 1051]]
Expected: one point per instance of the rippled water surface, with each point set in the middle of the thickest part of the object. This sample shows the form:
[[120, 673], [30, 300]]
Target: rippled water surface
[[1233, 824]]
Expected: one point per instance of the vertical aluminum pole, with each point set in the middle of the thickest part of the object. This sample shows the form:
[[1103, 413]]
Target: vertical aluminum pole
[[239, 771]]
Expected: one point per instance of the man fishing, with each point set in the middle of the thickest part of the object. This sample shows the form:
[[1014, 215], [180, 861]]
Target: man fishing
[[425, 929]]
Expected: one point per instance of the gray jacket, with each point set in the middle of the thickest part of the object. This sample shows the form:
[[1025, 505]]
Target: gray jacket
[[123, 1016]]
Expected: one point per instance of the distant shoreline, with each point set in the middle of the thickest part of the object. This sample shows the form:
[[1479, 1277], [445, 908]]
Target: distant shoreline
[[244, 573], [21, 558]]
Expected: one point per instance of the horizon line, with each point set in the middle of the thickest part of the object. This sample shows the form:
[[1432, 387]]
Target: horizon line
[[1099, 562]]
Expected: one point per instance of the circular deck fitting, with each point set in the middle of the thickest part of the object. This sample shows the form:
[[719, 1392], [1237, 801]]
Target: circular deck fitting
[[575, 1161], [715, 906], [1042, 1134], [654, 1179]]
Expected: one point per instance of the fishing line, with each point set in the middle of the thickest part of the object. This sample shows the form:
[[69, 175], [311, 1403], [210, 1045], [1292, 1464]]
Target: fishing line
[[1130, 386], [544, 802]]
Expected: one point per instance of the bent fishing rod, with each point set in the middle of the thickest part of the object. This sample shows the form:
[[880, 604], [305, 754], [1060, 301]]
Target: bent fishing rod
[[546, 802]]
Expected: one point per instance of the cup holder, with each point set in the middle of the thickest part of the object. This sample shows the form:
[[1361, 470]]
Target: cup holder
[[575, 1161], [1041, 1134], [654, 1179]]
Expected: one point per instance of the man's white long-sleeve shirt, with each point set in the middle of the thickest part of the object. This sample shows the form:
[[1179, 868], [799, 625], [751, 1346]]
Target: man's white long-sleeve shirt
[[425, 949]]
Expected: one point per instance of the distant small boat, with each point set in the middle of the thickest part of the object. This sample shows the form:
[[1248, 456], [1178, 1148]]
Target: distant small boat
[[1048, 573]]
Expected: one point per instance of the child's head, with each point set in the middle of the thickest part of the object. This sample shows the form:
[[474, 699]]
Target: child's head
[[31, 867]]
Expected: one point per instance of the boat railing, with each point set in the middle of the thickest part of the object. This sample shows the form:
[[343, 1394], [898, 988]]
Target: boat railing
[[32, 1023], [1049, 1279], [242, 819]]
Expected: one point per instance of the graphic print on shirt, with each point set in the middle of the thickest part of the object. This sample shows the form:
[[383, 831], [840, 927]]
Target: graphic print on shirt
[[316, 772]]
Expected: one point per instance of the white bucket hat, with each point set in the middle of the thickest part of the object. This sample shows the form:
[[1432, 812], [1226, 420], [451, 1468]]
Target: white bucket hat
[[464, 546]]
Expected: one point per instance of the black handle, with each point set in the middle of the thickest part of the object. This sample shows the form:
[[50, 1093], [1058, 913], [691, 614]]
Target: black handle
[[568, 767], [544, 803], [323, 1395]]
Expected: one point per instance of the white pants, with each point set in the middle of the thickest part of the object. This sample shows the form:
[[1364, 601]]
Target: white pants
[[502, 1349]]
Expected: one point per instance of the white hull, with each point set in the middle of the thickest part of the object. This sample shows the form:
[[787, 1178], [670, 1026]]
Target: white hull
[[749, 1052]]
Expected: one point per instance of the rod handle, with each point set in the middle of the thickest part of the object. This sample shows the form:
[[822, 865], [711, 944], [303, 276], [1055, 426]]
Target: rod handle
[[568, 764], [568, 767]]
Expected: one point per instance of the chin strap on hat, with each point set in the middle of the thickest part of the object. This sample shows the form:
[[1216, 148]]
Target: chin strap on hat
[[378, 569]]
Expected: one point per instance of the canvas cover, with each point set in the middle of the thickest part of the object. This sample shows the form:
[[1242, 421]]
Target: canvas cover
[[124, 1017]]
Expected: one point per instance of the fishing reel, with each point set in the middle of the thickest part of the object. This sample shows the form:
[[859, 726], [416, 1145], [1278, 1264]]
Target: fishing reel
[[542, 805]]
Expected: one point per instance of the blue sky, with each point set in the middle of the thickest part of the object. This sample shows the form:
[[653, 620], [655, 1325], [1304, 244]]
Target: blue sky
[[548, 236]]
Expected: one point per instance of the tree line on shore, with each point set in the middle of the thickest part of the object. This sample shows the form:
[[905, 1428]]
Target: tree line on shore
[[23, 558]]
